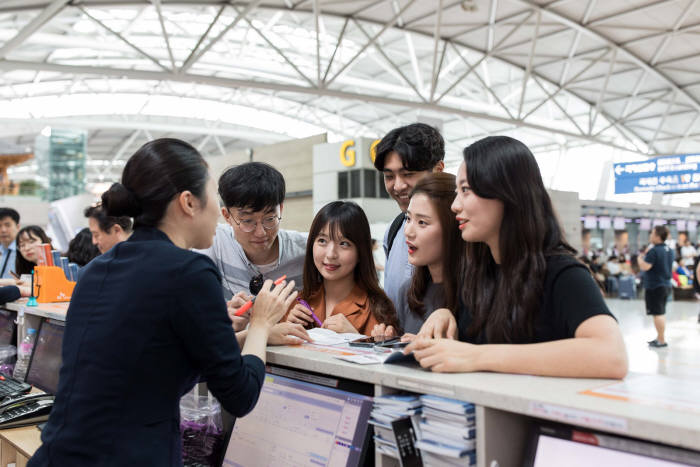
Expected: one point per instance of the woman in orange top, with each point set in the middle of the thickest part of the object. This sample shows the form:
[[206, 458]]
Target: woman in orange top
[[340, 280]]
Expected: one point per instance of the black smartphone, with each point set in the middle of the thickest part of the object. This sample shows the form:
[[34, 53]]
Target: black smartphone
[[393, 344], [371, 342]]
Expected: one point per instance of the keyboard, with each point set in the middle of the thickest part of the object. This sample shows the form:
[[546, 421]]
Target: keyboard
[[11, 387], [28, 409]]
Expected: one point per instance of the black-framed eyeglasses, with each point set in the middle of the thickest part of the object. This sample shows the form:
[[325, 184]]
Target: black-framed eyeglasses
[[255, 284], [249, 225]]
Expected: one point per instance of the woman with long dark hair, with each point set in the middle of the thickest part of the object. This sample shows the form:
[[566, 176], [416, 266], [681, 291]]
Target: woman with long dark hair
[[435, 249], [533, 305], [29, 239], [148, 319], [340, 280]]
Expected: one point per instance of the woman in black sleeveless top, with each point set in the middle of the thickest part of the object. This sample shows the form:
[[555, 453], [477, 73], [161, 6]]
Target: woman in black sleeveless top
[[528, 305]]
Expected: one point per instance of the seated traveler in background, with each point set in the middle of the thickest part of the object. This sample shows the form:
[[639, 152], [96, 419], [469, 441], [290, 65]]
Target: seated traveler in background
[[340, 281], [147, 320], [251, 247], [106, 230], [29, 240], [436, 250], [403, 156], [9, 226], [81, 249], [526, 298]]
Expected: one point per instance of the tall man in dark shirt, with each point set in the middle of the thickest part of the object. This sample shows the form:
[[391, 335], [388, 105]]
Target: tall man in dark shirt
[[657, 263]]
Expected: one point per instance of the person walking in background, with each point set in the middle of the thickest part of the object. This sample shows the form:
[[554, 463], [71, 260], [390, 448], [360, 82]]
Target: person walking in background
[[656, 263]]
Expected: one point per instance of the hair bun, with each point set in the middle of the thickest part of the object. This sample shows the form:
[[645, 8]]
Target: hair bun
[[120, 201]]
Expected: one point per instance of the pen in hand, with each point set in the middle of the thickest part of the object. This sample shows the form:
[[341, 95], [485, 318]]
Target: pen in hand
[[313, 315], [249, 304]]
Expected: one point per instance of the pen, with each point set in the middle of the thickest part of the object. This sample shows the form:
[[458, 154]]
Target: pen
[[250, 302], [313, 315]]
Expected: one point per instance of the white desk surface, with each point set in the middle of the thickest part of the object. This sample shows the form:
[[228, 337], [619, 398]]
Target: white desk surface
[[558, 399], [46, 310]]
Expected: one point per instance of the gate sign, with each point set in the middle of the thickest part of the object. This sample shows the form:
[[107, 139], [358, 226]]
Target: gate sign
[[666, 174]]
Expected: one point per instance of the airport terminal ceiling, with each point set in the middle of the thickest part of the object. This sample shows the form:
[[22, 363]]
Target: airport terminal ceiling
[[571, 78]]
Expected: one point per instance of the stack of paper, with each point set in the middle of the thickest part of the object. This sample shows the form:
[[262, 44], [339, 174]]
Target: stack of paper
[[447, 432], [388, 409]]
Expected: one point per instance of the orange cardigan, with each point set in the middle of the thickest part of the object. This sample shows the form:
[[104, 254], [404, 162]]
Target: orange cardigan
[[355, 307]]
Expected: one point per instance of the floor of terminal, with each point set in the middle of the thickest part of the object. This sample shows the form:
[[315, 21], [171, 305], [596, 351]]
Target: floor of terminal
[[682, 356]]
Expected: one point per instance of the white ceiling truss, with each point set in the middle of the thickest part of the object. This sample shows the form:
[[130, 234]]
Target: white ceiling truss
[[552, 73]]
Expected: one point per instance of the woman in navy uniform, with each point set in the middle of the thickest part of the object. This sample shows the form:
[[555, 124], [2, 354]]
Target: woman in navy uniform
[[148, 318]]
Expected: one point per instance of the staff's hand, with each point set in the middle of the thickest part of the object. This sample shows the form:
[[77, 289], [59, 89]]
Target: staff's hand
[[300, 315], [383, 331], [339, 323], [237, 301], [440, 323], [271, 304], [287, 334], [444, 355]]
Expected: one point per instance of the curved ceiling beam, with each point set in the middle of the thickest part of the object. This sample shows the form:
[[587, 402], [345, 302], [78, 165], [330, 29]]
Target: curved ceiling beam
[[365, 97], [7, 65], [610, 43]]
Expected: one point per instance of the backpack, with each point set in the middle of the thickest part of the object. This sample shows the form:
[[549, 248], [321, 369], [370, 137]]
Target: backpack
[[393, 230]]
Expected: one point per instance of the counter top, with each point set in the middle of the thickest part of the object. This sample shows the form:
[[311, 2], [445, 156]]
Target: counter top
[[47, 310], [558, 399]]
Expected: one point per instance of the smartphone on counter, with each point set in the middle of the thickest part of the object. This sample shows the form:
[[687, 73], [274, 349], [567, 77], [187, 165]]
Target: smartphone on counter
[[393, 344], [371, 342]]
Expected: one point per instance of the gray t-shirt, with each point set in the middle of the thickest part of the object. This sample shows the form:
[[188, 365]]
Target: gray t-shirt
[[397, 269], [411, 322], [237, 270]]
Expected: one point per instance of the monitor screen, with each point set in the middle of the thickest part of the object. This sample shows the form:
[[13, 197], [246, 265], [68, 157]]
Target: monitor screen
[[300, 423], [560, 445], [46, 360], [7, 327]]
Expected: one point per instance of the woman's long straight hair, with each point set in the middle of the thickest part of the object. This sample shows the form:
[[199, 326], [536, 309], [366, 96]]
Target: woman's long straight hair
[[347, 219], [23, 266], [504, 299], [439, 187]]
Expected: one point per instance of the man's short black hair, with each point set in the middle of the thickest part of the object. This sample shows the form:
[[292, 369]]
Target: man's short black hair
[[420, 147], [11, 213], [107, 222], [253, 185], [662, 232]]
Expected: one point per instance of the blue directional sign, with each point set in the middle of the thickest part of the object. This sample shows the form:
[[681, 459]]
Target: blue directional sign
[[671, 174]]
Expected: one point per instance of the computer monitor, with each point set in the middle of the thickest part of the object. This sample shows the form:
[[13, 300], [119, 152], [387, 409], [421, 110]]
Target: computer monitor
[[46, 359], [7, 327], [565, 445], [301, 423]]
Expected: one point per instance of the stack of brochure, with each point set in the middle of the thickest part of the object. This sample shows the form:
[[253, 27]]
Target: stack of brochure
[[447, 432], [388, 409]]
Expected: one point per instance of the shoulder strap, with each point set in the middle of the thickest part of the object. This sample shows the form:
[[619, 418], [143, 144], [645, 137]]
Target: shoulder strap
[[393, 230]]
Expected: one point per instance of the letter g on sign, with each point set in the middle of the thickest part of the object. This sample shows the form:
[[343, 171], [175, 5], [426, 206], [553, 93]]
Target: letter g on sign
[[347, 155]]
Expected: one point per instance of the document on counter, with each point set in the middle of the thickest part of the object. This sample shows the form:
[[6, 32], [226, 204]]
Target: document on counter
[[680, 394], [367, 358], [322, 336]]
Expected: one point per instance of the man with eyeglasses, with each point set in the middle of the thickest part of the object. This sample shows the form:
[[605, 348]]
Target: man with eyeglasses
[[251, 247]]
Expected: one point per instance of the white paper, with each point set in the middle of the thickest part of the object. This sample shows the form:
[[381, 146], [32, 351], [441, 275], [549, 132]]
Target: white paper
[[323, 336]]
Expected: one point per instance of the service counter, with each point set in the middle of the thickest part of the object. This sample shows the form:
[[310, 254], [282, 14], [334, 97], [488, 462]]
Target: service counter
[[506, 404]]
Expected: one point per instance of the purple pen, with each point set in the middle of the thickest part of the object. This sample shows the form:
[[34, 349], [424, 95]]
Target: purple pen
[[313, 315]]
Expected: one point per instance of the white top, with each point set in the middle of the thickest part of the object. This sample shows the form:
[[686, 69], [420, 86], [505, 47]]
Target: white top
[[237, 270]]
